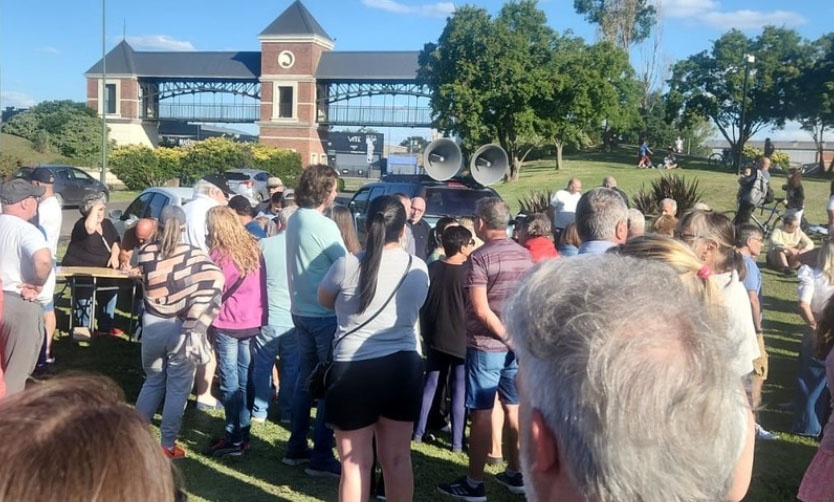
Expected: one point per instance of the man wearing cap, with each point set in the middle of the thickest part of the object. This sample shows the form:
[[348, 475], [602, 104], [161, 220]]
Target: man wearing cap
[[27, 264], [49, 218], [211, 190], [273, 185], [243, 209]]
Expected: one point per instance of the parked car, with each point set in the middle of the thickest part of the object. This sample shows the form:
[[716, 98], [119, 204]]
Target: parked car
[[71, 183], [248, 182], [455, 197], [149, 204]]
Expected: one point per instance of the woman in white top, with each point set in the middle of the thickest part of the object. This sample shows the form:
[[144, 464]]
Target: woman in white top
[[711, 236], [376, 381], [816, 287]]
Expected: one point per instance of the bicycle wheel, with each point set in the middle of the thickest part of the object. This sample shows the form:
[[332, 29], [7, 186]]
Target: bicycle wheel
[[715, 160]]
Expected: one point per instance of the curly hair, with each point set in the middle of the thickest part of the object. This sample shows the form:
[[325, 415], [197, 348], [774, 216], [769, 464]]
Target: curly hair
[[227, 235], [314, 185]]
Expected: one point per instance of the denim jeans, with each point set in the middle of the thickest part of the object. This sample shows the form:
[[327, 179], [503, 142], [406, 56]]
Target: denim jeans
[[274, 341], [812, 403], [315, 337], [234, 361], [105, 305]]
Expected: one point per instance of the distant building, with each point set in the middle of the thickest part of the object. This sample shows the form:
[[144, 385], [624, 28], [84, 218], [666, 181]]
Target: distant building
[[800, 152], [11, 111]]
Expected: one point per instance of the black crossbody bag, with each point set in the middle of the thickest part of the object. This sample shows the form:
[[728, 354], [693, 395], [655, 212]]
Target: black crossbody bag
[[317, 381]]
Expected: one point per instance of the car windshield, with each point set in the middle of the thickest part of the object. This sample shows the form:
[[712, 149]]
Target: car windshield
[[453, 201], [235, 176]]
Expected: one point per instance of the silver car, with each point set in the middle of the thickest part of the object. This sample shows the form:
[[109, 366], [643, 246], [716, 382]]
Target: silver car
[[149, 204], [248, 182]]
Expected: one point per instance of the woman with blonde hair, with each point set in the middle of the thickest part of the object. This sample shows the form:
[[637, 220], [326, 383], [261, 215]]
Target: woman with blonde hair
[[241, 316], [696, 276], [711, 236]]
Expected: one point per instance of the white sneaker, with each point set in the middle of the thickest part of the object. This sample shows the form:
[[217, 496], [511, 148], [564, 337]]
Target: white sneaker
[[764, 434]]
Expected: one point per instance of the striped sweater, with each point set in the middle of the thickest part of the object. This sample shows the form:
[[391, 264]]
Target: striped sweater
[[186, 285]]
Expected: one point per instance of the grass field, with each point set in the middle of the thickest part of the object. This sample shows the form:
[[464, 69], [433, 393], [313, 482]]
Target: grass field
[[21, 148], [261, 475]]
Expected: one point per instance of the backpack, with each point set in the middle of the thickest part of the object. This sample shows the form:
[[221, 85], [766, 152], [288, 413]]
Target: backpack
[[769, 195]]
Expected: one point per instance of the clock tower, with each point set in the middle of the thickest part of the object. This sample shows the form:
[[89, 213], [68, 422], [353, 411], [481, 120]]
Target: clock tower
[[291, 48]]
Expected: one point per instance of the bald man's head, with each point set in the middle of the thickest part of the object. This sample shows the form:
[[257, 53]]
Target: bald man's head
[[145, 229]]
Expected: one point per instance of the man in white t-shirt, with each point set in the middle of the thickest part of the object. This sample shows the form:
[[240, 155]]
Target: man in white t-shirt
[[27, 264], [211, 190], [563, 205], [49, 218]]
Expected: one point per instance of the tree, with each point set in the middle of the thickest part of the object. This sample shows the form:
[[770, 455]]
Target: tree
[[588, 85], [621, 22], [415, 144], [710, 84], [66, 127], [815, 104], [485, 74]]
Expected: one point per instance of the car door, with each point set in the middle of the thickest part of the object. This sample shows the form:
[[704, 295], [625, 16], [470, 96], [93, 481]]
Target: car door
[[85, 183], [65, 185], [137, 209]]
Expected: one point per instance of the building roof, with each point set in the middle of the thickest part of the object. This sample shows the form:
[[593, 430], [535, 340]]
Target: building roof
[[368, 66], [296, 20], [123, 60]]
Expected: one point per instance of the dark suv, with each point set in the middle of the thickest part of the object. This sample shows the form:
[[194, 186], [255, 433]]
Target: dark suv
[[455, 197], [71, 183]]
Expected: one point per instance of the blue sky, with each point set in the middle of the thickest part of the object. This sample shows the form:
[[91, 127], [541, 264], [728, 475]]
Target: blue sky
[[47, 45]]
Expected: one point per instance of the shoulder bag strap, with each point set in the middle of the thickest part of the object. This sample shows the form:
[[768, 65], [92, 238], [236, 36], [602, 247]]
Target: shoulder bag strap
[[229, 292], [365, 323]]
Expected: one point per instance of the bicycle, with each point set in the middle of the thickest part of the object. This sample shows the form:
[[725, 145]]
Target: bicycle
[[766, 225], [722, 159]]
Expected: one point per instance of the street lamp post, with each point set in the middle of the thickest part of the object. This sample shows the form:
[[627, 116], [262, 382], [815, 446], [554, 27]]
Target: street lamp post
[[748, 60]]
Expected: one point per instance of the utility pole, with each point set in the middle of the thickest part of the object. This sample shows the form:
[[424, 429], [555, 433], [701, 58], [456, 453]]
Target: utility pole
[[103, 101], [748, 60]]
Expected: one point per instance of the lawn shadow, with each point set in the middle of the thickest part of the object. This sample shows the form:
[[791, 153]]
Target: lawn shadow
[[778, 479]]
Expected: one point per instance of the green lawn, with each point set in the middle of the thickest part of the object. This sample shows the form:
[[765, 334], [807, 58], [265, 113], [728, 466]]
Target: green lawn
[[261, 475]]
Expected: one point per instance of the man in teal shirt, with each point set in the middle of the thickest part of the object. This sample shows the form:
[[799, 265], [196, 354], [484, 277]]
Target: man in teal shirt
[[313, 244]]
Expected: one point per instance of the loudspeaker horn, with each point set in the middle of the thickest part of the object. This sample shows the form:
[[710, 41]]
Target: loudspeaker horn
[[442, 159], [488, 164]]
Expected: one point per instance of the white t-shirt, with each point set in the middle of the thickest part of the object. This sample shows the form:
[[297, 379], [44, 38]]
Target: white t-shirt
[[740, 321], [814, 289], [564, 208], [195, 220], [392, 330], [50, 218], [830, 206], [19, 241]]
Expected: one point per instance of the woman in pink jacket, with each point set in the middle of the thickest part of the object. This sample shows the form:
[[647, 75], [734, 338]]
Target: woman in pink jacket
[[241, 316]]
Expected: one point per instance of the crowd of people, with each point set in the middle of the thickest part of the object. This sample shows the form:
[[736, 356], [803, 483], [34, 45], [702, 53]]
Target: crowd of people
[[580, 391]]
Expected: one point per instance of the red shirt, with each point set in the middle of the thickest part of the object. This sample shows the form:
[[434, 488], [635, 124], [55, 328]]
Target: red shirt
[[541, 248]]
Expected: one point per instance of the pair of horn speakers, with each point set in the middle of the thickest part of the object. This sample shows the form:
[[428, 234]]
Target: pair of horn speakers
[[443, 160]]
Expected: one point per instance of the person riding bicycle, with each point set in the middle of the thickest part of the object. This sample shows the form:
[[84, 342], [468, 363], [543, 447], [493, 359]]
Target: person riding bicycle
[[753, 191]]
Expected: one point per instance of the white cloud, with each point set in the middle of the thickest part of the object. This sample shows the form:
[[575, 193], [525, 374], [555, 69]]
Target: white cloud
[[684, 8], [438, 9], [48, 50], [748, 19], [16, 99], [159, 43]]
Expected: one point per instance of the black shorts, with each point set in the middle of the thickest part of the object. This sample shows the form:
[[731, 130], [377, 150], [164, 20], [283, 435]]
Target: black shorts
[[360, 392]]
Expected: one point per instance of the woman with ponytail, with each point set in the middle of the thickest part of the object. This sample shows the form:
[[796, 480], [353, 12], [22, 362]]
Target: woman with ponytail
[[712, 237], [375, 383], [182, 297]]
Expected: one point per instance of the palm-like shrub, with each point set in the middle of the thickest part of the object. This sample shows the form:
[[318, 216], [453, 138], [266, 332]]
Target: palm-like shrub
[[669, 186], [536, 201]]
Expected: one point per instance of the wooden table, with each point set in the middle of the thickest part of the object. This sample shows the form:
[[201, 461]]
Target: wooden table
[[71, 274]]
